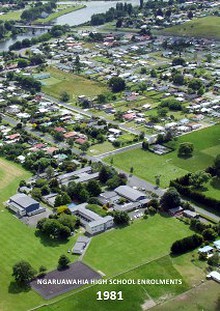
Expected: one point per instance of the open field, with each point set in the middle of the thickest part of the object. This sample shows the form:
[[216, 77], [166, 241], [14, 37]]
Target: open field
[[134, 295], [10, 176], [12, 15], [63, 9], [147, 165], [19, 242], [74, 85], [207, 27], [117, 250], [206, 297]]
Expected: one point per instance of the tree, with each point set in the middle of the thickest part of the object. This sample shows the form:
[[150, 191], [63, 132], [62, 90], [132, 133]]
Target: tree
[[94, 188], [77, 64], [209, 234], [170, 199], [121, 218], [63, 262], [49, 172], [185, 149], [117, 84], [217, 165], [214, 260], [178, 79], [23, 272], [186, 244], [153, 73], [190, 14], [198, 178], [64, 96], [178, 61], [145, 145]]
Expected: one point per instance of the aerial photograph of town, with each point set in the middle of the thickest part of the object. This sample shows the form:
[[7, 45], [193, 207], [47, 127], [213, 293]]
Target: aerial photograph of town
[[109, 155]]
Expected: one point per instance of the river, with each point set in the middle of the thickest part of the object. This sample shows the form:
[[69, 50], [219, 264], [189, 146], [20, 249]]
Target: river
[[73, 19]]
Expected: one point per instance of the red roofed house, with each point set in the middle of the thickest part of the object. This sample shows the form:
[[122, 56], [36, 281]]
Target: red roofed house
[[129, 116], [13, 136], [60, 129], [70, 135], [81, 141]]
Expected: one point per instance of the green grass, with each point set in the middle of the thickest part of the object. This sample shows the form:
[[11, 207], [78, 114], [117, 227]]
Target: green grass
[[203, 27], [11, 15], [134, 295], [203, 298], [147, 164], [100, 148], [19, 242], [63, 10], [119, 250], [74, 85]]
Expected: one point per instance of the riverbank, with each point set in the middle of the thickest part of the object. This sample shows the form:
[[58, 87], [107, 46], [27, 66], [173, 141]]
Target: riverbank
[[62, 12]]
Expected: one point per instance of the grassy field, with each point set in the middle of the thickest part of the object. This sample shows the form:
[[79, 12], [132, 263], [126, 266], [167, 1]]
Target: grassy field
[[134, 295], [144, 240], [207, 27], [63, 9], [206, 297], [12, 15], [147, 164], [19, 242], [100, 148], [74, 85]]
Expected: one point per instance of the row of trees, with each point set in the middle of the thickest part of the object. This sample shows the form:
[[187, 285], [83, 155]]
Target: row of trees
[[35, 11], [186, 244], [24, 273], [113, 13]]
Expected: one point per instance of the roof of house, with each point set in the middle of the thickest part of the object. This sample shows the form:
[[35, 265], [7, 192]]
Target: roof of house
[[130, 193], [23, 200], [205, 249]]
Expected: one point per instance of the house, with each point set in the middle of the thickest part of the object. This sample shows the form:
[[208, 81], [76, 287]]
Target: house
[[217, 244], [206, 250], [214, 275], [175, 211], [130, 193], [190, 214], [24, 205]]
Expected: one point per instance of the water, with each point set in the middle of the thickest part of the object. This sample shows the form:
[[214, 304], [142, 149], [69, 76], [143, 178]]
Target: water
[[73, 19]]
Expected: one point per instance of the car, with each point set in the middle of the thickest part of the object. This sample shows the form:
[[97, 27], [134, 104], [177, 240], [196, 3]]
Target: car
[[69, 251]]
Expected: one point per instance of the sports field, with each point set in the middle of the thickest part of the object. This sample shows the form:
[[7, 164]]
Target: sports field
[[147, 165], [134, 295], [118, 250], [74, 85], [19, 242], [207, 27]]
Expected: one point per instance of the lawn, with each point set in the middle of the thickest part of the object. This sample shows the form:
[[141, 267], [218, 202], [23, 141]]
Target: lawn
[[100, 148], [74, 85], [206, 297], [19, 242], [208, 27], [12, 15], [134, 295], [118, 250], [147, 165], [10, 176]]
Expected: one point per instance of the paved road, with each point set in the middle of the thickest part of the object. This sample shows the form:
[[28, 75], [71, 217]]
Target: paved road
[[116, 151], [91, 115]]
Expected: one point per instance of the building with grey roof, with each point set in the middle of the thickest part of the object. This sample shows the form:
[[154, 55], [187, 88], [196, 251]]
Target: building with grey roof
[[130, 193], [80, 245], [84, 174], [23, 205], [93, 222]]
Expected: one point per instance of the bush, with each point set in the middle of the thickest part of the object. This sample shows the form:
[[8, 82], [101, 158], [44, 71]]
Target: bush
[[187, 244], [152, 210]]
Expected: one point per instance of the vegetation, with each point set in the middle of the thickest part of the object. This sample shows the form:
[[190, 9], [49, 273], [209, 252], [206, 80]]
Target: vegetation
[[170, 199], [207, 27], [23, 272], [63, 262], [187, 244]]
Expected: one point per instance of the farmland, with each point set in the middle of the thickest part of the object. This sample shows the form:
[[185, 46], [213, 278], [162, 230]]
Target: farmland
[[207, 27], [73, 84], [147, 164]]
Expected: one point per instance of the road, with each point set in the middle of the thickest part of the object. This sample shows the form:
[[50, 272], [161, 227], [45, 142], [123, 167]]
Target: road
[[92, 115]]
